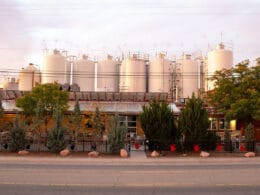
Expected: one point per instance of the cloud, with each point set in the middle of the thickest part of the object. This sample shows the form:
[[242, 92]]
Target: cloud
[[115, 25]]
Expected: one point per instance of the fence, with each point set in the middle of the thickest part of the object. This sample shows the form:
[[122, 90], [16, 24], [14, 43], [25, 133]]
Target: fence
[[85, 144], [232, 146], [82, 145]]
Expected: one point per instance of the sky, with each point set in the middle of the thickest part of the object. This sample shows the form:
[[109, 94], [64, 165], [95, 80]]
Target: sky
[[100, 27]]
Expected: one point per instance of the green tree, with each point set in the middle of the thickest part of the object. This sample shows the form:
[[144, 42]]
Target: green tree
[[1, 107], [75, 119], [250, 137], [17, 135], [237, 92], [116, 135], [258, 61], [194, 124], [97, 124], [56, 137], [157, 122], [42, 101], [37, 122], [28, 104]]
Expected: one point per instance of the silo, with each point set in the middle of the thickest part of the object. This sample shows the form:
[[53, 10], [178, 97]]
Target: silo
[[189, 80], [160, 74], [133, 74], [218, 59], [84, 74], [107, 75], [28, 77], [56, 68]]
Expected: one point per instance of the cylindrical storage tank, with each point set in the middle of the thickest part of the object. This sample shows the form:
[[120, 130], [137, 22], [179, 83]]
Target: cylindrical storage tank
[[107, 75], [189, 80], [160, 74], [133, 74], [28, 77], [10, 84], [84, 74], [56, 68], [218, 59]]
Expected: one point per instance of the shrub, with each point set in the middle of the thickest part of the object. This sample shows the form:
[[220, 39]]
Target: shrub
[[210, 141], [56, 137], [157, 121], [117, 135], [17, 135], [250, 137], [194, 124]]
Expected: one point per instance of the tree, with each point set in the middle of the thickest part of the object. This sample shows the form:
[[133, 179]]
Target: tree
[[157, 122], [1, 107], [237, 92], [17, 135], [258, 61], [28, 104], [116, 135], [75, 119], [194, 124], [56, 137], [97, 124], [250, 137], [42, 101]]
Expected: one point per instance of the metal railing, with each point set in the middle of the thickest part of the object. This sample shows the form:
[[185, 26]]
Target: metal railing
[[232, 146], [83, 145]]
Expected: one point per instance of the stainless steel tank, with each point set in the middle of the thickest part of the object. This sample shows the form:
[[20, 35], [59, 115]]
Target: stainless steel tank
[[107, 75], [28, 77], [218, 59], [189, 79], [56, 68], [133, 74], [84, 74], [160, 74], [10, 84]]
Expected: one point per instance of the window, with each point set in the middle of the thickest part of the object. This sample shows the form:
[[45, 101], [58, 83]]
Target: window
[[221, 124], [130, 122], [213, 123]]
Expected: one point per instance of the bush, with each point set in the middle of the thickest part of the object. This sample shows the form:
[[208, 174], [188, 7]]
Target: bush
[[56, 138], [17, 135], [157, 121], [117, 135], [250, 137], [210, 141], [194, 123]]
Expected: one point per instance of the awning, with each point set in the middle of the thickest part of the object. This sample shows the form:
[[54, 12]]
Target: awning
[[90, 106], [120, 107]]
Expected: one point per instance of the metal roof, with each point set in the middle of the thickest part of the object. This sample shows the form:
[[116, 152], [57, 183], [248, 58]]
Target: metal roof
[[90, 106], [97, 96], [120, 107]]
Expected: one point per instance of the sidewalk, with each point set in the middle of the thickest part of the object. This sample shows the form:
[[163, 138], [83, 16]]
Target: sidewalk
[[136, 158], [137, 154]]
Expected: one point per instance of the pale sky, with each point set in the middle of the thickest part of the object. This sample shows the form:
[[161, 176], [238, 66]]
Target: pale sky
[[98, 27]]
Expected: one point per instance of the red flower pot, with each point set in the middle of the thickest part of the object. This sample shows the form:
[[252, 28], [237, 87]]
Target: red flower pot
[[172, 148], [242, 148], [219, 148], [137, 146], [196, 148]]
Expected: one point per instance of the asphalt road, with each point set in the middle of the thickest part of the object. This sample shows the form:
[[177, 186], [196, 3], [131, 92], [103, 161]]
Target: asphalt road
[[21, 175]]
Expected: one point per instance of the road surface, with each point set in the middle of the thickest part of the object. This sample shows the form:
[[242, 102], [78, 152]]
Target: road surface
[[56, 175]]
